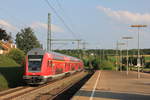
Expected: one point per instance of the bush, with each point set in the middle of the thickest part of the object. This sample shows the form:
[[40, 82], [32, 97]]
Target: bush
[[5, 61], [86, 62], [107, 65], [17, 55], [96, 63], [147, 65]]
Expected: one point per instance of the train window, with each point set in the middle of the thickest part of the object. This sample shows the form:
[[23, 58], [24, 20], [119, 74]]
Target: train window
[[53, 65], [35, 56], [34, 65]]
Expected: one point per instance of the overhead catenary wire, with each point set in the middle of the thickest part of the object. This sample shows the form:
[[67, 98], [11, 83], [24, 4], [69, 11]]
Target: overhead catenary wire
[[15, 19], [62, 10], [60, 18], [21, 22], [66, 15]]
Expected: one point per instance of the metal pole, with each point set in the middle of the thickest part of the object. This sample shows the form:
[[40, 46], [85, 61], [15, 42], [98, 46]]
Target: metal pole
[[78, 44], [78, 49], [127, 56], [138, 59], [120, 59], [117, 56], [103, 54], [127, 59], [49, 34], [120, 63]]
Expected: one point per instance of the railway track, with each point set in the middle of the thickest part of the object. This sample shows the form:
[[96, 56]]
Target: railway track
[[10, 94], [42, 92], [10, 91], [69, 92]]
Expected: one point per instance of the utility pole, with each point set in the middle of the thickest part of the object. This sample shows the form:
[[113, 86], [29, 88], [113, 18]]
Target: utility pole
[[103, 57], [49, 44], [83, 47], [78, 44]]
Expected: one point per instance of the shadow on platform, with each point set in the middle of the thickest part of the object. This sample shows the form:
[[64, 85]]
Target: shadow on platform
[[113, 95]]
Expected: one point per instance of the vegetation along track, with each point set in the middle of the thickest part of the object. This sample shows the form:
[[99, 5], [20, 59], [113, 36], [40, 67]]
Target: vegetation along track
[[37, 92]]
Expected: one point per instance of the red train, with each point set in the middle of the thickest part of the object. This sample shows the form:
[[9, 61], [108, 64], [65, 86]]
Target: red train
[[42, 66]]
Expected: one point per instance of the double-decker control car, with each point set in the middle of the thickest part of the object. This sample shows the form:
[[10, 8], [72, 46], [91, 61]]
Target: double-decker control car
[[42, 66]]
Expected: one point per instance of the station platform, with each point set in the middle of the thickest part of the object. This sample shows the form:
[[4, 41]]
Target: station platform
[[115, 85]]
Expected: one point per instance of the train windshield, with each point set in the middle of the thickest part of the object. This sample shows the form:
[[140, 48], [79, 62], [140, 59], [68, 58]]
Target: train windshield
[[34, 63]]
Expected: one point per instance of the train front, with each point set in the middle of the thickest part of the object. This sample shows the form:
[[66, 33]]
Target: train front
[[33, 73]]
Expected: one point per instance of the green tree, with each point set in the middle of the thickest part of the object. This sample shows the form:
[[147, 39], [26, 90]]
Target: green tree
[[17, 55], [26, 40], [4, 35], [107, 65]]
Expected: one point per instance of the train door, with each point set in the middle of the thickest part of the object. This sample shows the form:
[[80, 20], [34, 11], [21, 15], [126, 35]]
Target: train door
[[66, 66], [72, 66], [50, 67], [76, 66], [53, 67]]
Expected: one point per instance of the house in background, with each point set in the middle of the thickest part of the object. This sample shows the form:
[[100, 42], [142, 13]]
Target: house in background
[[5, 46]]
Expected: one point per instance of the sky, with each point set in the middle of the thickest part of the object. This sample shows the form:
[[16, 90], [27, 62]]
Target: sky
[[100, 23]]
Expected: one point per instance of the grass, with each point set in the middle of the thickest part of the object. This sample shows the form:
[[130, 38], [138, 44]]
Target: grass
[[3, 83], [7, 62], [10, 73]]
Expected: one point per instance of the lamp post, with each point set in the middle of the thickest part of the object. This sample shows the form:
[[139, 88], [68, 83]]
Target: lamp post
[[138, 59], [120, 54], [127, 38], [117, 56]]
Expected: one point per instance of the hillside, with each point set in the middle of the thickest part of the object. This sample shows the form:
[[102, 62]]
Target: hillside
[[10, 73], [7, 62]]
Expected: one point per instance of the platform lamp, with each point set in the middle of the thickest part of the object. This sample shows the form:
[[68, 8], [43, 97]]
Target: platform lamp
[[120, 44], [138, 59], [127, 38]]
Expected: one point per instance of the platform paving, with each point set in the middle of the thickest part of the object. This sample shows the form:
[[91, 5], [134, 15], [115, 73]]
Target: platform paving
[[115, 85]]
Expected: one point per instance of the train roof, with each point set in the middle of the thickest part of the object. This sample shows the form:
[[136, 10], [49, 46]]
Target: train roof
[[55, 55]]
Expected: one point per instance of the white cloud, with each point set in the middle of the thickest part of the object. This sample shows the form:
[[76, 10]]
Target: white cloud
[[43, 25], [7, 25], [126, 16]]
